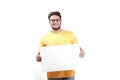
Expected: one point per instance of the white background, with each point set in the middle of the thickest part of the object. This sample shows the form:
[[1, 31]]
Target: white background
[[95, 22]]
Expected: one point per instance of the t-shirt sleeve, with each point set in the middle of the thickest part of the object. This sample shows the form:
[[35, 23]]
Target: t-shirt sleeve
[[41, 44], [74, 39]]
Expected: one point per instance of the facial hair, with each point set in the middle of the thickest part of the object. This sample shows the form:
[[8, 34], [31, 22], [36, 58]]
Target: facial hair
[[56, 28]]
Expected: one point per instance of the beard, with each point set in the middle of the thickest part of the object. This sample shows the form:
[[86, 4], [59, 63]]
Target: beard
[[56, 28]]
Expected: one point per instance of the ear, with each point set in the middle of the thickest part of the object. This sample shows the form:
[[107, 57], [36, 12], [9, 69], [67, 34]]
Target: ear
[[49, 20], [61, 21]]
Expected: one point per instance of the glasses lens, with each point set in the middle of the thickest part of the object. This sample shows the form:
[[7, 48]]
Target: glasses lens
[[53, 20]]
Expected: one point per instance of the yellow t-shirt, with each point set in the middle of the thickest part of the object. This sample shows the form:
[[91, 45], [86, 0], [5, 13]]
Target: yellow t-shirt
[[59, 38]]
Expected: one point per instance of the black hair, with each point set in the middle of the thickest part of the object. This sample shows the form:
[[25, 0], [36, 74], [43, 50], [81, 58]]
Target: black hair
[[54, 13]]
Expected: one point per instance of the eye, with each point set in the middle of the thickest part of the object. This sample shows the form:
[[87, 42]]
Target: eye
[[53, 20]]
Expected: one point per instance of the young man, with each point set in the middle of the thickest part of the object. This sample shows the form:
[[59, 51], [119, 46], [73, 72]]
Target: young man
[[58, 36]]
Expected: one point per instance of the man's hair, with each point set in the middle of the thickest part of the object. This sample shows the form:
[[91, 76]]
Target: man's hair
[[54, 13]]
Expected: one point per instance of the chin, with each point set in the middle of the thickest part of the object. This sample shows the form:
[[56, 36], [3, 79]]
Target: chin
[[55, 28]]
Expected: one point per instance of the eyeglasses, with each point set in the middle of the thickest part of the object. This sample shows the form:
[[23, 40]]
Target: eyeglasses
[[53, 20]]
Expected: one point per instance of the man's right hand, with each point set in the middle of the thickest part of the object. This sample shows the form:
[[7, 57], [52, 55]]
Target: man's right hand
[[38, 58]]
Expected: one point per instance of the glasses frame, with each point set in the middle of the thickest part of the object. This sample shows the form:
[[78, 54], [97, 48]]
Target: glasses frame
[[53, 20]]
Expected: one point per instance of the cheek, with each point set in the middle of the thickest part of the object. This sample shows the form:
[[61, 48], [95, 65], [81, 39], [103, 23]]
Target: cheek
[[50, 23]]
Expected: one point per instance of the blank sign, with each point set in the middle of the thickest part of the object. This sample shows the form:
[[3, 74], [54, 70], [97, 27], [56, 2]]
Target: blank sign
[[62, 57]]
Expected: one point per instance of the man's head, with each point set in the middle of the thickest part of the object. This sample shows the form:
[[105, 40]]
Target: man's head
[[55, 20]]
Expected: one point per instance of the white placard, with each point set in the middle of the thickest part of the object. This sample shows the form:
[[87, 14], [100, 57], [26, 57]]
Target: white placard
[[62, 57]]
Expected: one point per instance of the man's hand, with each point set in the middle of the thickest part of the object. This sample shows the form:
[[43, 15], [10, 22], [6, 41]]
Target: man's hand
[[82, 53], [38, 58]]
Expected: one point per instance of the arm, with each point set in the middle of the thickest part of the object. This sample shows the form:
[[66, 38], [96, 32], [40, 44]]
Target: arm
[[74, 41], [82, 53], [41, 44]]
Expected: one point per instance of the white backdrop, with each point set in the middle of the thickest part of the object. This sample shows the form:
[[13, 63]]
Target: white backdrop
[[95, 22]]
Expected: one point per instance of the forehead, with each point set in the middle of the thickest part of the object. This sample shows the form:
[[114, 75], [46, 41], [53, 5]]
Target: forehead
[[54, 17]]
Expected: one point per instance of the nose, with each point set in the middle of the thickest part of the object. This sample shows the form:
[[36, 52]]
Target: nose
[[55, 21]]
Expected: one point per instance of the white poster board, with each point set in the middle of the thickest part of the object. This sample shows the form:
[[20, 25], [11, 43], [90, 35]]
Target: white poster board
[[62, 57]]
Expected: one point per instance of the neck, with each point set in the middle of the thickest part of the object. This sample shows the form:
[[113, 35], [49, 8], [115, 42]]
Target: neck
[[56, 31]]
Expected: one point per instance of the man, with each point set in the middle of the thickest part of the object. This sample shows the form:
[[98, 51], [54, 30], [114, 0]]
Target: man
[[58, 36]]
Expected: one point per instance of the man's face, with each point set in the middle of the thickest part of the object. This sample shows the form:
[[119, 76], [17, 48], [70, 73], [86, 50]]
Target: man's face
[[55, 22]]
